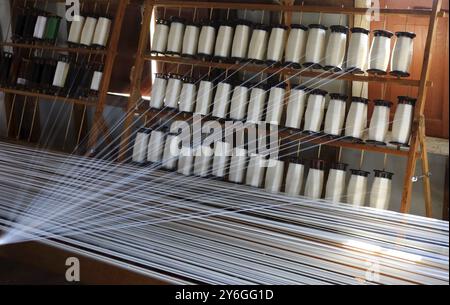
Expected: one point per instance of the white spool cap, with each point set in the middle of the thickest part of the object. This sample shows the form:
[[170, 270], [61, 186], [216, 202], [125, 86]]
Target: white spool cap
[[222, 153], [336, 47], [258, 44], [358, 50], [158, 91], [277, 41], [87, 35], [239, 101], [380, 52], [296, 44], [76, 27], [380, 193], [401, 127], [314, 181], [335, 117], [240, 40], [238, 164], [379, 124], [255, 170], [335, 188], [295, 107], [294, 177], [315, 111], [204, 97], [175, 39], [256, 104], [190, 40], [102, 31], [357, 187], [140, 145], [275, 104], [403, 54], [224, 40], [156, 146], [222, 100], [160, 36], [356, 119], [315, 46], [274, 176]]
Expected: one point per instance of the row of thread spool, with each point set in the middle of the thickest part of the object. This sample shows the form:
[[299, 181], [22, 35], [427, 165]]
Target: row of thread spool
[[164, 149], [64, 76], [305, 109], [37, 26], [294, 46]]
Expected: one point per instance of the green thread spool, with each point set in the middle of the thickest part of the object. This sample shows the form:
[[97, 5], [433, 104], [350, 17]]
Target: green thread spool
[[52, 28]]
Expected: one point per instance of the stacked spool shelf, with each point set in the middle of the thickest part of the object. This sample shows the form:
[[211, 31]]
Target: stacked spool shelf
[[413, 153], [97, 102]]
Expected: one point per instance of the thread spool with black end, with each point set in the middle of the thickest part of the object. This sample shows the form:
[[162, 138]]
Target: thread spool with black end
[[336, 48], [37, 68], [19, 26], [175, 37], [294, 176], [335, 116], [356, 122], [258, 44], [102, 32], [379, 124], [190, 40], [187, 95], [403, 118], [276, 44], [63, 66], [224, 41], [357, 187], [239, 101], [206, 39], [75, 30], [23, 75], [241, 40], [314, 112], [5, 70], [315, 46], [380, 192], [275, 104], [296, 107], [96, 79], [39, 28], [256, 103], [158, 91], [52, 29], [160, 37], [358, 50], [402, 54], [336, 181], [315, 179], [173, 90], [295, 46], [87, 34], [139, 153], [380, 52]]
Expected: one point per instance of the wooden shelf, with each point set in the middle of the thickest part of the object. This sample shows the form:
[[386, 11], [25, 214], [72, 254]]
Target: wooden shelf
[[49, 97], [286, 71], [420, 12], [284, 133], [53, 48]]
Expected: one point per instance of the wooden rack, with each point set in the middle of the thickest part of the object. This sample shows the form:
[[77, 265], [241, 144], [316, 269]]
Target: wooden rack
[[417, 149], [108, 54]]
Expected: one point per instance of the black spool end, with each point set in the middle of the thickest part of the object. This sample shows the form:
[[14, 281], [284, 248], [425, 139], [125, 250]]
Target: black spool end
[[333, 69], [299, 26], [377, 143], [353, 140], [384, 103], [274, 63], [204, 57], [312, 65], [339, 166], [317, 26], [359, 172], [358, 99], [238, 59], [296, 160], [399, 73], [406, 34], [338, 96], [331, 136], [256, 61], [407, 100], [318, 164], [383, 174], [339, 29], [383, 33], [354, 70], [318, 92], [359, 30], [172, 53], [376, 72], [294, 65], [399, 144]]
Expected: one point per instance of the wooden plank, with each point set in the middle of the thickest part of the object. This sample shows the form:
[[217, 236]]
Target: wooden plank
[[53, 48], [49, 97], [414, 145]]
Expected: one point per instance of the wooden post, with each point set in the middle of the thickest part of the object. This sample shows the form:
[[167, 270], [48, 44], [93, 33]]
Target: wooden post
[[136, 77], [109, 63], [412, 156], [425, 168]]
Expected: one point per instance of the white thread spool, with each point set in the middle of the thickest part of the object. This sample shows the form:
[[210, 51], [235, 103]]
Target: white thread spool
[[171, 151], [240, 40], [295, 107], [173, 91], [96, 80], [190, 40], [296, 44], [204, 97], [402, 54], [315, 46], [158, 91], [187, 95], [277, 40], [294, 177], [62, 69], [335, 188], [140, 145], [239, 101], [202, 161], [380, 52], [315, 111], [237, 165], [358, 50], [76, 27], [102, 31], [335, 51], [222, 100], [224, 40], [256, 104], [156, 146], [335, 117], [380, 193], [275, 104], [379, 124], [160, 36], [87, 34], [39, 27], [258, 44], [356, 119], [175, 39], [357, 187], [401, 127], [255, 170], [222, 153], [206, 40], [314, 181], [274, 176], [186, 161]]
